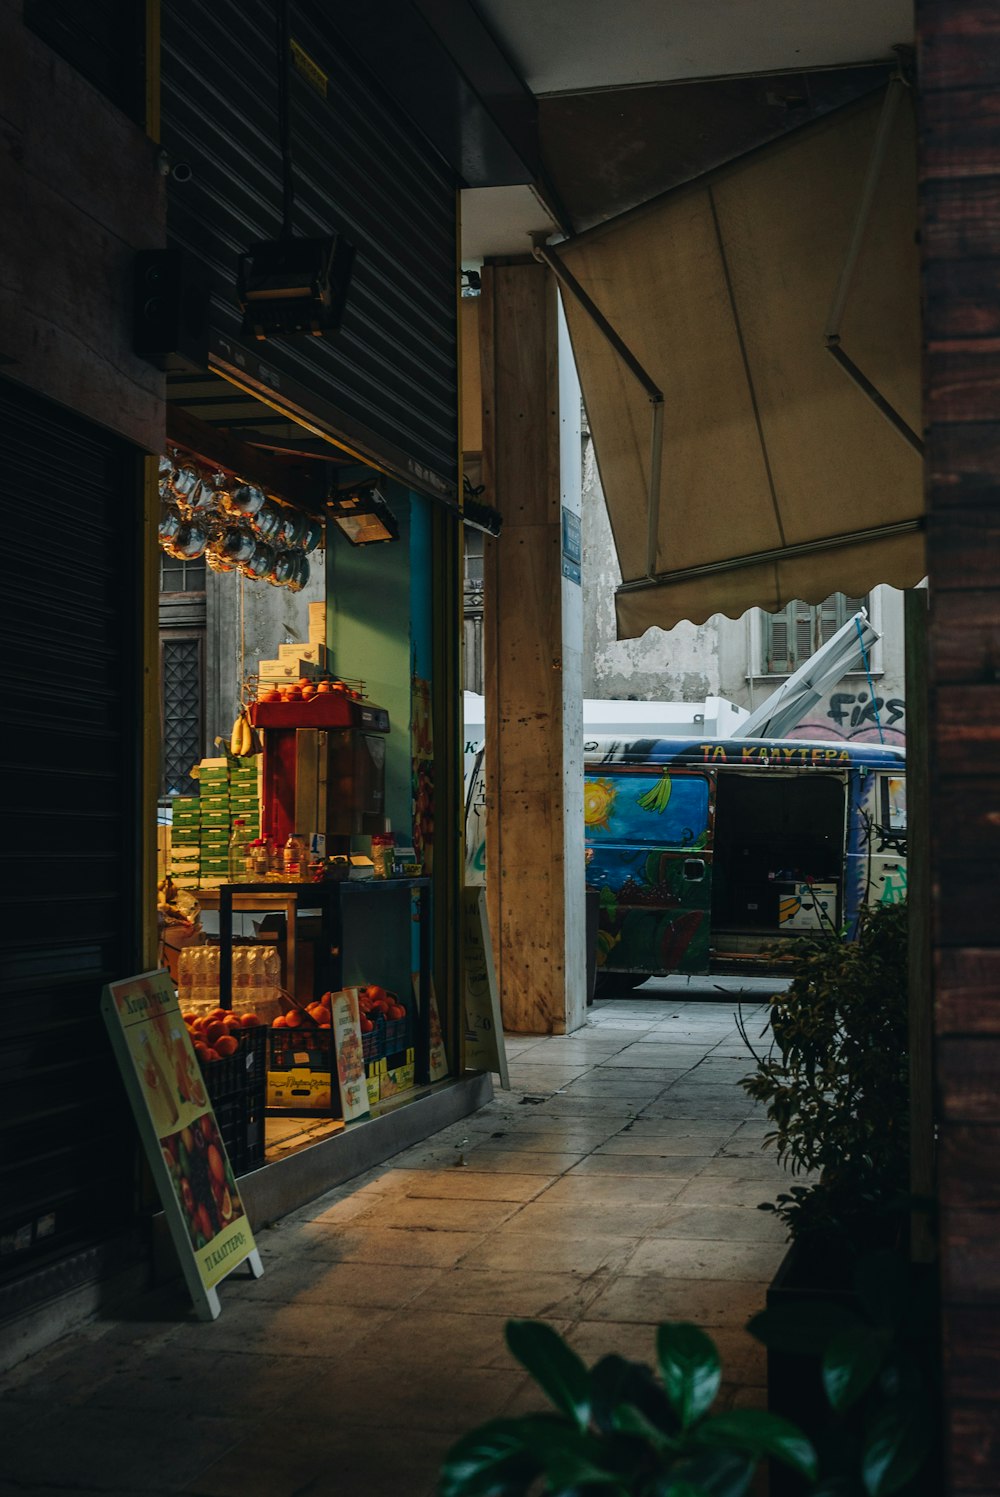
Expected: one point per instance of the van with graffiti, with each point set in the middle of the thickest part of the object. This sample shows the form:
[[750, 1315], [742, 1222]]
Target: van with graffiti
[[710, 856]]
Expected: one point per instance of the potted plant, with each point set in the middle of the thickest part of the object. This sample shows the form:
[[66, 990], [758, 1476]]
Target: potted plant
[[620, 1429], [836, 1088]]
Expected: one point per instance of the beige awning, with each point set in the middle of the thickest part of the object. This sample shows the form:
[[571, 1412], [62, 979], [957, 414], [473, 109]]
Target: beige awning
[[779, 477]]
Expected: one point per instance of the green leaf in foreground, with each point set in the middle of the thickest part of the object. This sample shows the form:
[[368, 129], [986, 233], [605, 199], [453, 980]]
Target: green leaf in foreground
[[490, 1460], [556, 1368], [851, 1362], [896, 1446], [758, 1434], [690, 1369]]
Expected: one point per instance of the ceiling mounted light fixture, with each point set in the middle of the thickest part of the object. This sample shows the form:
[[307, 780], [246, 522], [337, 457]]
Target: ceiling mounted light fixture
[[363, 515]]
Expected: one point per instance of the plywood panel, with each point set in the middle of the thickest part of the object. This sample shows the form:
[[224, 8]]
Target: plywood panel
[[522, 647]]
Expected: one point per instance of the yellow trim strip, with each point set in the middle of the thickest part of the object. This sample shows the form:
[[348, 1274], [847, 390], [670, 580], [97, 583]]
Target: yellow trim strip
[[293, 415]]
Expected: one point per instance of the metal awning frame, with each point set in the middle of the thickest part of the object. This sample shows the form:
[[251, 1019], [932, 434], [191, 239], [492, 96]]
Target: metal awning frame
[[546, 254]]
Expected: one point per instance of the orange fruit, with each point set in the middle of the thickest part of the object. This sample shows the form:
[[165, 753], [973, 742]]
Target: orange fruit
[[293, 1019], [226, 1044], [279, 1022], [249, 1021]]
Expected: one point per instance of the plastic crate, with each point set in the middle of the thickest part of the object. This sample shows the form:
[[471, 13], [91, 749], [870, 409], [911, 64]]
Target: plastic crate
[[237, 1089], [389, 1037]]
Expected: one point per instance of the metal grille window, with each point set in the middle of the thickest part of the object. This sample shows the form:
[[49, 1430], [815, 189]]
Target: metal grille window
[[181, 666], [791, 636]]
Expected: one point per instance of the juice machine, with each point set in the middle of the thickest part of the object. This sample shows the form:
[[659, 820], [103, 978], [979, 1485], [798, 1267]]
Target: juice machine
[[324, 768]]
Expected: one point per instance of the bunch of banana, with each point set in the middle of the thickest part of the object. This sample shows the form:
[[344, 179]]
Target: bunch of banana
[[244, 740], [658, 798]]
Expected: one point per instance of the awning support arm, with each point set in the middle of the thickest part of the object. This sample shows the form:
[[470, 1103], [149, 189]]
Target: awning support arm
[[831, 333], [776, 553], [547, 255]]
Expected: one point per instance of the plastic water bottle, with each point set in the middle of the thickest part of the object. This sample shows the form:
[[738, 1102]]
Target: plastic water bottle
[[238, 843]]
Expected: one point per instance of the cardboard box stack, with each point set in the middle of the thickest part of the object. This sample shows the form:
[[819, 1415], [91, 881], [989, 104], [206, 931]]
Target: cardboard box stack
[[213, 779], [298, 662], [185, 842], [244, 792], [229, 788]]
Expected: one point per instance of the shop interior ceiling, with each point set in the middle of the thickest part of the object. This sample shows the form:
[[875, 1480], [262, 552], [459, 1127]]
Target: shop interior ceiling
[[215, 418]]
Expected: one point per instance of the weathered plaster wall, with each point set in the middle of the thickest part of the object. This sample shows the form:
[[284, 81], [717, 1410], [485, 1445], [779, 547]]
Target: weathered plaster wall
[[272, 616]]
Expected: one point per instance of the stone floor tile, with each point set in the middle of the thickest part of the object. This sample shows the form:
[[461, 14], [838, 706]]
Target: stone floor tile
[[676, 1166], [147, 1453], [394, 1245], [592, 1107], [547, 1163], [435, 1215], [722, 1223], [311, 1280], [632, 1339], [519, 1293], [715, 1190], [654, 1297], [584, 1220], [612, 1190], [678, 1139], [464, 1184], [664, 1058], [678, 1258], [548, 1253], [595, 1084]]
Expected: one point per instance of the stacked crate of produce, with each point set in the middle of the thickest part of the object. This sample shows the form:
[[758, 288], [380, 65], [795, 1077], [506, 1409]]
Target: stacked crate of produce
[[185, 842], [213, 779], [244, 793]]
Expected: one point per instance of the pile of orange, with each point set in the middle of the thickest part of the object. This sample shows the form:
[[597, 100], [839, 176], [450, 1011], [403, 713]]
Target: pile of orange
[[216, 1035], [313, 1015]]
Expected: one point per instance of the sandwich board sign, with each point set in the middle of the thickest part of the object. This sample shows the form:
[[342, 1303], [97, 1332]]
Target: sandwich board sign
[[484, 1042], [187, 1157]]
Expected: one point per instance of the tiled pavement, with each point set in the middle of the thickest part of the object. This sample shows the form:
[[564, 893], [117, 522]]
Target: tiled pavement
[[614, 1187]]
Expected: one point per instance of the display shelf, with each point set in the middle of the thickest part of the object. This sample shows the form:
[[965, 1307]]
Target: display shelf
[[334, 898]]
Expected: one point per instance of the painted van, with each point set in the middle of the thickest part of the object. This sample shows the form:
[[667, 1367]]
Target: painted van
[[709, 856]]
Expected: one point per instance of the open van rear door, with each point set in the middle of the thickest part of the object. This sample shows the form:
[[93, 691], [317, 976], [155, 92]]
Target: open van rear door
[[649, 844]]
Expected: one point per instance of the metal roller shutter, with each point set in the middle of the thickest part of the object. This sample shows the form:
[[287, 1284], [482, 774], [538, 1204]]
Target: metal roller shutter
[[70, 645], [361, 169]]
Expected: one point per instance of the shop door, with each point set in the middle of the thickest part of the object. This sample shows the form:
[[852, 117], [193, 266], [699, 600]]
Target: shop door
[[70, 639], [650, 857]]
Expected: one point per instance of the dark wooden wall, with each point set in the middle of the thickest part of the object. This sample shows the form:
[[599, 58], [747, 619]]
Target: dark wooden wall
[[81, 193], [959, 75]]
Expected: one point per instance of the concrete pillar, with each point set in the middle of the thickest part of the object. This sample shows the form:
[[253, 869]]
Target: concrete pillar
[[532, 647]]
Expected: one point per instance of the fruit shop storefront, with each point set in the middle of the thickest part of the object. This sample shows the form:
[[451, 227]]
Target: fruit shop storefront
[[304, 904], [314, 848]]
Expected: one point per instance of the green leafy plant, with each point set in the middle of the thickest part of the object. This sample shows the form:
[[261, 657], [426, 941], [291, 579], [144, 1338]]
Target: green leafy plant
[[878, 1363], [618, 1429], [836, 1083]]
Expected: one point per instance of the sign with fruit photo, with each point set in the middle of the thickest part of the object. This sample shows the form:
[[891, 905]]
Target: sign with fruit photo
[[178, 1129], [345, 1015]]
